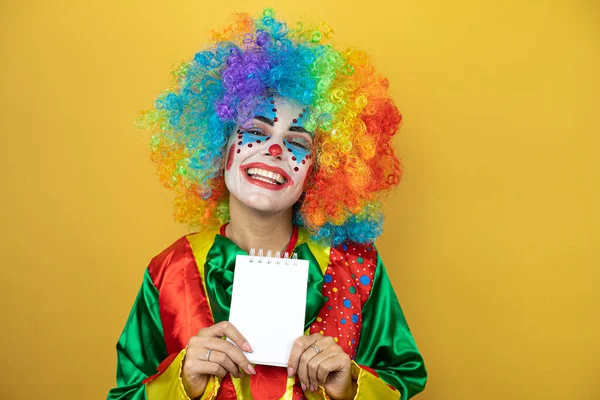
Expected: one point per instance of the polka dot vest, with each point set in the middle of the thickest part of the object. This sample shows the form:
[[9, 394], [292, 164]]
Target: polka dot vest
[[347, 285]]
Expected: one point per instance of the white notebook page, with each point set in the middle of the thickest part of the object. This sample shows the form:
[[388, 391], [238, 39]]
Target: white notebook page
[[268, 304]]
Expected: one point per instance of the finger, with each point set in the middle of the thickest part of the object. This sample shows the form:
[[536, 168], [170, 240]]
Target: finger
[[314, 366], [322, 374], [331, 364], [299, 346], [303, 367], [231, 351], [194, 368], [211, 368], [226, 328], [224, 361]]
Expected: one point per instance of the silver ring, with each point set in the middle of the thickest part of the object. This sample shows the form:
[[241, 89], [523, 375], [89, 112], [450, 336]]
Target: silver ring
[[208, 354], [317, 349]]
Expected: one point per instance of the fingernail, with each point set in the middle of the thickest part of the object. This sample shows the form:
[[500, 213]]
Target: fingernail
[[246, 347], [251, 370], [290, 372], [312, 388], [303, 387]]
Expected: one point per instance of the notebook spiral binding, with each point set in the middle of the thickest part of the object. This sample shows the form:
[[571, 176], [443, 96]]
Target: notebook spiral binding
[[259, 257]]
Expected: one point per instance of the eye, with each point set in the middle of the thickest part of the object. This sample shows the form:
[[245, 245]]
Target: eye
[[299, 142], [255, 132]]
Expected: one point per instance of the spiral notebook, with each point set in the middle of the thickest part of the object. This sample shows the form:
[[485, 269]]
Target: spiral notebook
[[268, 304]]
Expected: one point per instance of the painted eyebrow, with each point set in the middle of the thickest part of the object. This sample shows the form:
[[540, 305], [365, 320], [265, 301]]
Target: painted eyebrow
[[291, 128], [264, 119], [299, 129]]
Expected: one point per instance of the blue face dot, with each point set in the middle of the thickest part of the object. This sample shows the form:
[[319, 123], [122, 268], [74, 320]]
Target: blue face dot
[[347, 303], [327, 278], [343, 321], [355, 320], [365, 280]]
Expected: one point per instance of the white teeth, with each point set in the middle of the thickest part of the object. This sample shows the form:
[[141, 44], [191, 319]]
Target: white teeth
[[260, 174]]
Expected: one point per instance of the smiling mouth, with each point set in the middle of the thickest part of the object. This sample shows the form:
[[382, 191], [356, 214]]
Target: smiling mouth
[[263, 175]]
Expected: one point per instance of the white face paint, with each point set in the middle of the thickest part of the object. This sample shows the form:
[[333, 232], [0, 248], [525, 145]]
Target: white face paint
[[268, 163]]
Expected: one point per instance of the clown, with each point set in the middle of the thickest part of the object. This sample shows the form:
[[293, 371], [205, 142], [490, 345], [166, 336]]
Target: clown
[[272, 139]]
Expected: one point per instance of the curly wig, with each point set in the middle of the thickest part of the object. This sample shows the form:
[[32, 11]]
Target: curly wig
[[351, 114]]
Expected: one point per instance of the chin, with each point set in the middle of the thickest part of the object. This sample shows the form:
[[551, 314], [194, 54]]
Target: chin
[[263, 203]]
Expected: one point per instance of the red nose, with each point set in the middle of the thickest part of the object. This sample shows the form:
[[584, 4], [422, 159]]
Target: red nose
[[275, 150]]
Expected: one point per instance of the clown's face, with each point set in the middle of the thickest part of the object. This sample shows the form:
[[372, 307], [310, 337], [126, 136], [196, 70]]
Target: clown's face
[[267, 164]]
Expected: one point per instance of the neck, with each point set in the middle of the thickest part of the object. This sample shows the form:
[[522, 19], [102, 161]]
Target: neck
[[250, 228]]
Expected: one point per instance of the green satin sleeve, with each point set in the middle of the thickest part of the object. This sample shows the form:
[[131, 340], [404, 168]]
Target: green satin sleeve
[[386, 344], [141, 346]]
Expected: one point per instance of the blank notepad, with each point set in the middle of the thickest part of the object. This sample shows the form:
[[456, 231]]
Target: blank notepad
[[268, 303]]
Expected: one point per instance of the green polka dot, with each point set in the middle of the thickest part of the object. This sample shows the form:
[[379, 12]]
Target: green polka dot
[[329, 308], [352, 290], [359, 260], [326, 298], [353, 276]]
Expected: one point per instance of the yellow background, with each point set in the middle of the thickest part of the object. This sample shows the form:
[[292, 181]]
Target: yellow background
[[492, 241]]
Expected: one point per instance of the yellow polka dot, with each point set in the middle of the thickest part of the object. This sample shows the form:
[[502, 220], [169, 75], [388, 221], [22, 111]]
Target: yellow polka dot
[[334, 289], [336, 339], [349, 343], [319, 319], [321, 332]]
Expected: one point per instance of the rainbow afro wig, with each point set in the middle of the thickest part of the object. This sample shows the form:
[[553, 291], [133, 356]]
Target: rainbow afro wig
[[350, 113]]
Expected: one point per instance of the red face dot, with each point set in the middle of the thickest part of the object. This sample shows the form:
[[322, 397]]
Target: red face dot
[[238, 150], [275, 119], [294, 158], [296, 169], [290, 150], [258, 141], [249, 144], [303, 161], [295, 120], [240, 143]]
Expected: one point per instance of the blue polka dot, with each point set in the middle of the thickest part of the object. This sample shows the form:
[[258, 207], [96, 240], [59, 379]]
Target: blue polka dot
[[365, 280], [327, 278], [343, 321], [354, 318], [353, 341], [345, 247], [347, 303]]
